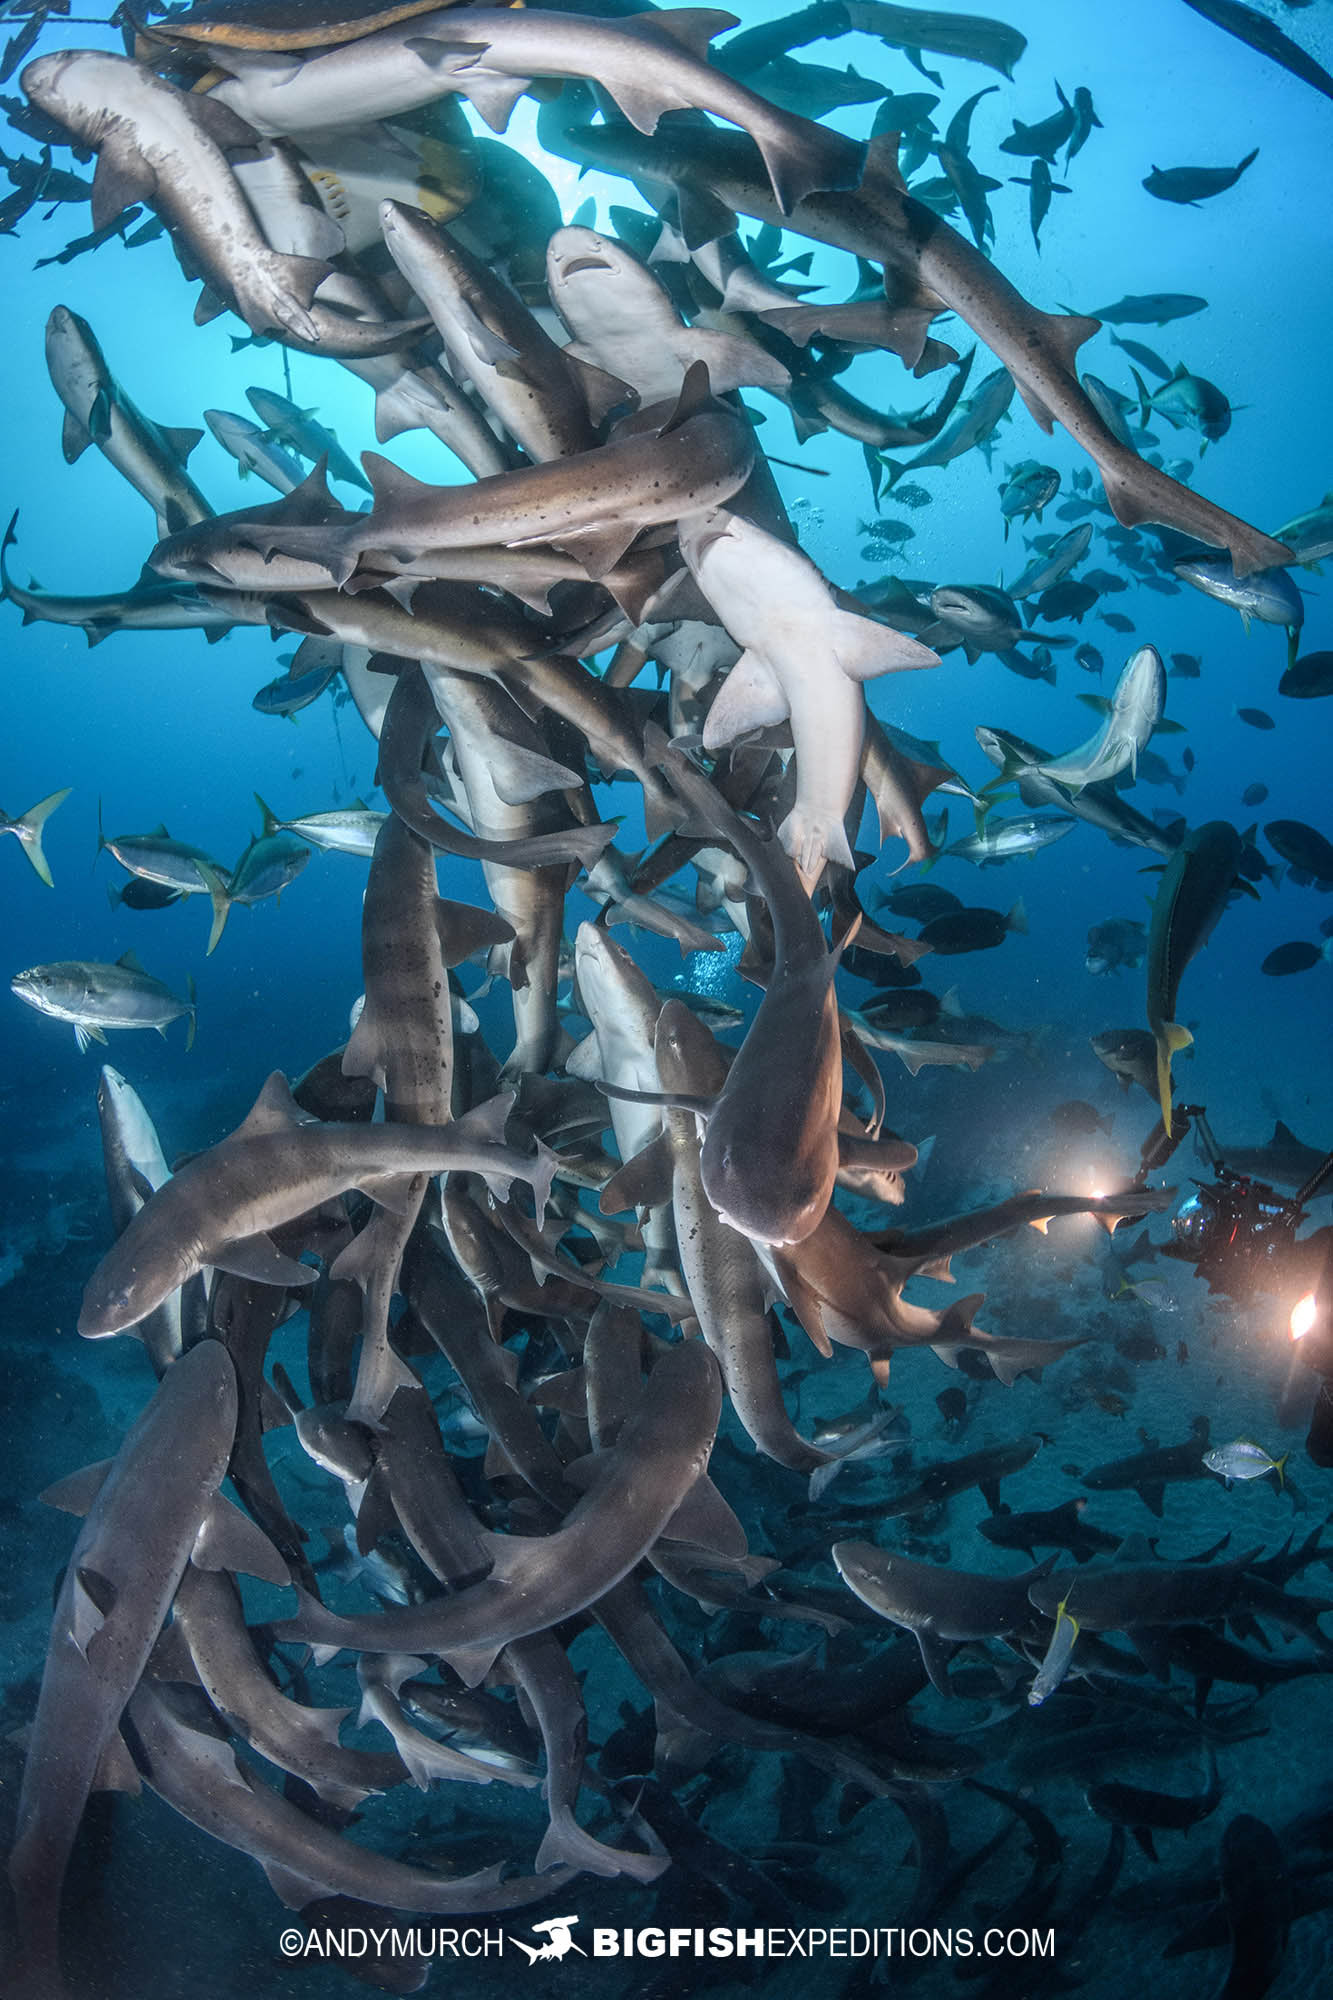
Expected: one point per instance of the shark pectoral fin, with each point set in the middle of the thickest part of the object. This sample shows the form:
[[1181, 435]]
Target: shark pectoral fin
[[395, 1192], [751, 697], [809, 1311], [293, 1891], [463, 929], [116, 1769], [376, 1516], [75, 437], [75, 1493], [171, 1658], [643, 1182], [601, 391], [864, 649], [94, 1598], [524, 775], [491, 97], [730, 353], [704, 1519], [598, 548], [485, 343], [258, 1258], [118, 184], [701, 217], [365, 1054], [471, 1663], [230, 1540], [936, 1654], [1151, 1646], [1152, 1497]]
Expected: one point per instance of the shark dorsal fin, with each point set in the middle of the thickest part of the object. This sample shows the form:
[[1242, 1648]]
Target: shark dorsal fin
[[274, 1110]]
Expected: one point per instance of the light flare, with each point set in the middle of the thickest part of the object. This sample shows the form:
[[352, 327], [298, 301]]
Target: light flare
[[1303, 1316]]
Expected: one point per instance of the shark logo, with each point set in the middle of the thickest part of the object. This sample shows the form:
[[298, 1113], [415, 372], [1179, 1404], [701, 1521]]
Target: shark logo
[[558, 1944]]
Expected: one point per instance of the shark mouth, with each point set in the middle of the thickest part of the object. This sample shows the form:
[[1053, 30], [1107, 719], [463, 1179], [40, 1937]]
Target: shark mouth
[[577, 264]]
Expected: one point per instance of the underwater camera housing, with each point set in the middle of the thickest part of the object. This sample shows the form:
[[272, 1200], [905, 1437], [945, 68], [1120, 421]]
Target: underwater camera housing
[[1237, 1233]]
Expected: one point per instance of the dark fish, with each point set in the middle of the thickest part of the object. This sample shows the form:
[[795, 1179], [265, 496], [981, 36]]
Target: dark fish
[[1307, 851], [78, 245], [1089, 659], [972, 929], [1151, 308], [1298, 957], [1039, 665], [878, 970], [1254, 795], [1131, 1056], [1145, 356], [1258, 718], [899, 1013], [1043, 140], [18, 45], [952, 1405], [1070, 598], [45, 182], [1041, 186], [1191, 185], [922, 901], [1311, 677], [141, 894], [1187, 758], [970, 185], [1116, 620], [13, 209], [291, 692]]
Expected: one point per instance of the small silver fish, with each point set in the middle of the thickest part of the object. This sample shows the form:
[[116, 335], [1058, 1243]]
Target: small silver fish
[[1243, 1459], [1055, 1665]]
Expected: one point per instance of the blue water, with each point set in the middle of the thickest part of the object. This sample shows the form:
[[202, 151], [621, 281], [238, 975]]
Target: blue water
[[159, 727]]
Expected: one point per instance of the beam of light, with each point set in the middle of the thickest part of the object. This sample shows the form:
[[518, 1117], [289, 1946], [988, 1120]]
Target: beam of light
[[1303, 1316]]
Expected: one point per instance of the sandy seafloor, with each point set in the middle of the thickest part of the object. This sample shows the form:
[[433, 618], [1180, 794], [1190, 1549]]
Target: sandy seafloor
[[160, 728]]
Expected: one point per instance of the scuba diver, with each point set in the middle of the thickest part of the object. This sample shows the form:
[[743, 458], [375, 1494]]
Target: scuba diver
[[1240, 1236]]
